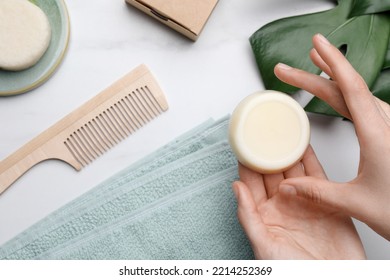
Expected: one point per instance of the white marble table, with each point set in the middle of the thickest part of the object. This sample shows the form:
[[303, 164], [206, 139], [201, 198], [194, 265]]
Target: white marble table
[[201, 80]]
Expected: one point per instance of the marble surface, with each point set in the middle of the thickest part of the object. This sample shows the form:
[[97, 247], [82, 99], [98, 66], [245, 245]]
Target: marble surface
[[201, 80]]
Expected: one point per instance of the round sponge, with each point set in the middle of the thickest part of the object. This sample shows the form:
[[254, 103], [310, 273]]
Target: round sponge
[[24, 34]]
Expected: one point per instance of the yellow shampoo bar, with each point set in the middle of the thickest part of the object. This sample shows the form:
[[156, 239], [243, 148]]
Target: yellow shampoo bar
[[269, 132]]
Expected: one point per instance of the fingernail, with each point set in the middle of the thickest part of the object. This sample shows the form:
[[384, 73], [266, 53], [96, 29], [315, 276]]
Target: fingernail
[[322, 39], [287, 190], [283, 66]]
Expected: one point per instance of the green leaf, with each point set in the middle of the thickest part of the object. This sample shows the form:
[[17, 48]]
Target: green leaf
[[362, 7], [381, 89], [366, 56], [367, 41], [318, 106], [288, 40]]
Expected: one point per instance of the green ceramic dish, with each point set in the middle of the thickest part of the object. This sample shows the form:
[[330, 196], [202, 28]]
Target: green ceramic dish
[[12, 83]]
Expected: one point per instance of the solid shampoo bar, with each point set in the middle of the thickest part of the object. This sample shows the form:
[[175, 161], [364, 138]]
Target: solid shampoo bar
[[269, 132]]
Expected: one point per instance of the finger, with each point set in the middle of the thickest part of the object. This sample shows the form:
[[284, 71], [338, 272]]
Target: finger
[[383, 108], [323, 88], [295, 171], [343, 197], [312, 165], [320, 63], [248, 216], [356, 94], [271, 182], [254, 181]]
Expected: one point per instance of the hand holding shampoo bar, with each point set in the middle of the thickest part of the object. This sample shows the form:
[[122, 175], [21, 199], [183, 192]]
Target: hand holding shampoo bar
[[269, 132]]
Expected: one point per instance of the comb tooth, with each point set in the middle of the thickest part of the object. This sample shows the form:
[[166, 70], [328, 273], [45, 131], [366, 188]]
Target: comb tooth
[[81, 147], [76, 151], [96, 132], [149, 101], [132, 116], [133, 111], [140, 107], [86, 130], [71, 149], [105, 133], [153, 100], [122, 116], [87, 143], [141, 100], [111, 127], [140, 117], [121, 121], [115, 123], [112, 131], [126, 116]]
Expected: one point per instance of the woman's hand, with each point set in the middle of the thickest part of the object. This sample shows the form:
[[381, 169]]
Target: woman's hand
[[292, 227], [367, 197]]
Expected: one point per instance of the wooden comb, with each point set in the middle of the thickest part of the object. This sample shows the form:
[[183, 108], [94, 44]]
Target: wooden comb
[[93, 128]]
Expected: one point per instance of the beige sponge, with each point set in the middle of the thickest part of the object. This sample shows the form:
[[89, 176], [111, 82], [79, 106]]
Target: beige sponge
[[24, 34]]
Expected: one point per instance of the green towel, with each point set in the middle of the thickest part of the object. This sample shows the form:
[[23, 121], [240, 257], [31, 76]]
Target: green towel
[[174, 204]]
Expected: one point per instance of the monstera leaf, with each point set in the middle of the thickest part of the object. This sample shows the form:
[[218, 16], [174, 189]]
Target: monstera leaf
[[318, 106], [367, 41], [288, 40], [380, 89], [362, 7]]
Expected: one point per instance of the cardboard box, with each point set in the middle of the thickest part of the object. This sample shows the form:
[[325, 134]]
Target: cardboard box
[[185, 16]]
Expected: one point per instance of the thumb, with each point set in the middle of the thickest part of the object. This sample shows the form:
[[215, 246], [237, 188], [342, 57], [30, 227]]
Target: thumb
[[341, 196], [249, 216]]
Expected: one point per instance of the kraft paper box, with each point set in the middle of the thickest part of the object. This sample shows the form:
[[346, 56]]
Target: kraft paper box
[[185, 16]]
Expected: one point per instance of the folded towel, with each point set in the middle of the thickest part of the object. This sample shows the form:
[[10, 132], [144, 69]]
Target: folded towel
[[192, 224], [180, 192]]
